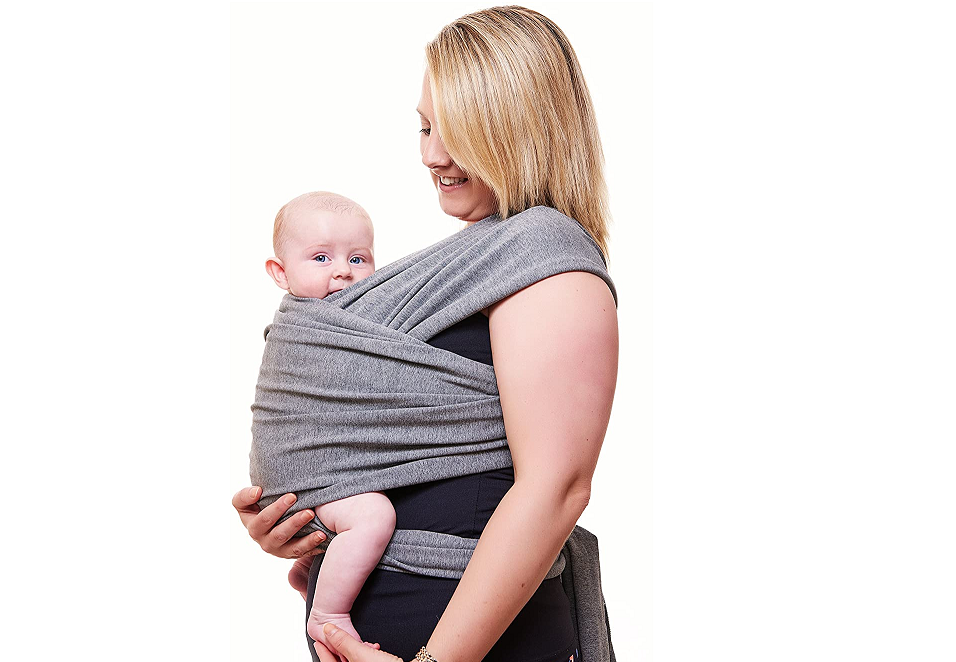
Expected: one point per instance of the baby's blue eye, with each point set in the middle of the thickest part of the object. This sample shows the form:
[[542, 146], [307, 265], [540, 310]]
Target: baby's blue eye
[[321, 258], [356, 257]]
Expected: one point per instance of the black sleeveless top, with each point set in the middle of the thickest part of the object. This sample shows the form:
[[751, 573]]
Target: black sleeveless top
[[399, 610]]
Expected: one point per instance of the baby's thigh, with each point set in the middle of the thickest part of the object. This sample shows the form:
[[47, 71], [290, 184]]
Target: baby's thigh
[[362, 511]]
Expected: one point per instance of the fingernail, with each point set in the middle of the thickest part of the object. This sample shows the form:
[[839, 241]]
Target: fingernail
[[288, 499], [319, 536], [254, 492], [328, 628]]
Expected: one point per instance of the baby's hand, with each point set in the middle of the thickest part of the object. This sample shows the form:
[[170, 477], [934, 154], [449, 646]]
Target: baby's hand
[[299, 575]]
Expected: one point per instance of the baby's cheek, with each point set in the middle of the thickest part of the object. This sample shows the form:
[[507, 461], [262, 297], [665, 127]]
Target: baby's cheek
[[311, 288]]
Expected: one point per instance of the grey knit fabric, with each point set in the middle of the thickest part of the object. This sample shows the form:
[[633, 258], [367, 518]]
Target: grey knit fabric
[[351, 399]]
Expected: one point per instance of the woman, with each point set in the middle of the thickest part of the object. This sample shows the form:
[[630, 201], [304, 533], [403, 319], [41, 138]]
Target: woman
[[507, 124]]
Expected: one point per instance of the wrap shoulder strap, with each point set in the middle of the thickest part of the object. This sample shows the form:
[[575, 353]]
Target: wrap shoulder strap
[[432, 289]]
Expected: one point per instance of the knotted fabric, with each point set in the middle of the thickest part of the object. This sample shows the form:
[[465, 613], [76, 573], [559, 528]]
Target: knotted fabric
[[351, 399]]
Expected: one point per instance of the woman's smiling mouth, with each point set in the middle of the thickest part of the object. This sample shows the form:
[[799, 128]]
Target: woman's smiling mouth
[[446, 184]]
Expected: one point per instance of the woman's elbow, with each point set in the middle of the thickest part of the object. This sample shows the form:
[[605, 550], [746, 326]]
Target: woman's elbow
[[563, 499], [578, 496]]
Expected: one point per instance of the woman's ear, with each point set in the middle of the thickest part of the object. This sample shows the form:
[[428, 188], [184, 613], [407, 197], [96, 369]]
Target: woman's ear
[[275, 269]]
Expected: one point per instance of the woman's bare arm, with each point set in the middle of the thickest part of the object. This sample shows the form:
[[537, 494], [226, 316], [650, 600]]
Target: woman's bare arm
[[555, 348]]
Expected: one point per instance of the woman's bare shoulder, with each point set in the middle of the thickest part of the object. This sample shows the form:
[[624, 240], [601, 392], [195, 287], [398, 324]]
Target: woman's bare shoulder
[[577, 303]]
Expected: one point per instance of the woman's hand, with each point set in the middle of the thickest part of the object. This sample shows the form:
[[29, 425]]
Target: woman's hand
[[350, 649], [276, 540], [299, 576]]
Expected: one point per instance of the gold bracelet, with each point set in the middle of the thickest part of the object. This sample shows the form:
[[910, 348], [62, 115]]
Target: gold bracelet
[[424, 656]]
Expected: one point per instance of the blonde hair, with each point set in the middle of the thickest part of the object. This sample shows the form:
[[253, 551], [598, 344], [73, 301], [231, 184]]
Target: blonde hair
[[514, 111], [314, 201]]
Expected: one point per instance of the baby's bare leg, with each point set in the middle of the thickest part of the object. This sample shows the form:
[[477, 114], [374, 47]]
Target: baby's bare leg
[[363, 524]]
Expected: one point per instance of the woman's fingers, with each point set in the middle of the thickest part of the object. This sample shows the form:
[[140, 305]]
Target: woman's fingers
[[294, 548], [278, 540], [351, 649], [244, 501], [261, 524], [324, 654], [299, 576]]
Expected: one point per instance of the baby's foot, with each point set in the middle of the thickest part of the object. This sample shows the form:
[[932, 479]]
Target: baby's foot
[[317, 619]]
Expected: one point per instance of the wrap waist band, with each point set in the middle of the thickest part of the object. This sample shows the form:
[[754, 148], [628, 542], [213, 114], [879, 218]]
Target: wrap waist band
[[431, 554]]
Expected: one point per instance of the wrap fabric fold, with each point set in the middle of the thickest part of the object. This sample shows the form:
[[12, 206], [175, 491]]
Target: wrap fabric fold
[[351, 399]]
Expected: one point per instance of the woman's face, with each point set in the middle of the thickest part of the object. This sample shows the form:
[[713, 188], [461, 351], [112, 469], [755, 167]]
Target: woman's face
[[468, 199]]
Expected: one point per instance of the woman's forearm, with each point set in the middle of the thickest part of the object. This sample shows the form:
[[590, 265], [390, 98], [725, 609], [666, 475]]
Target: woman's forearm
[[515, 552]]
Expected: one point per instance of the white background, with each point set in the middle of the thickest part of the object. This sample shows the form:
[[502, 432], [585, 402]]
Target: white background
[[803, 367]]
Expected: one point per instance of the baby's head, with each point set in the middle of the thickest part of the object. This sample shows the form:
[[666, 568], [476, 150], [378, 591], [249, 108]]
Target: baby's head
[[323, 244]]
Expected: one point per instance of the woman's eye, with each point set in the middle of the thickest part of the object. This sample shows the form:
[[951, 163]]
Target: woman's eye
[[356, 257], [426, 130], [321, 258]]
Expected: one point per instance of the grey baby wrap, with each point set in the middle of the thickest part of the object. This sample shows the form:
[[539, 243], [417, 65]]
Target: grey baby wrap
[[351, 399]]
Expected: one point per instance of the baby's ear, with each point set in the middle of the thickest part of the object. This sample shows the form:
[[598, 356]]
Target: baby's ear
[[275, 269]]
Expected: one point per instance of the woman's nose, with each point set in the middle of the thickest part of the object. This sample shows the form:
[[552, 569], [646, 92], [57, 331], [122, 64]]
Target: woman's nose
[[433, 152]]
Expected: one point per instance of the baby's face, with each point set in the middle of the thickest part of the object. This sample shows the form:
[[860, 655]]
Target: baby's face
[[326, 252]]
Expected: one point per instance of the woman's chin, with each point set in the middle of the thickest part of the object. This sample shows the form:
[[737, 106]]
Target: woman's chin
[[454, 210], [468, 214]]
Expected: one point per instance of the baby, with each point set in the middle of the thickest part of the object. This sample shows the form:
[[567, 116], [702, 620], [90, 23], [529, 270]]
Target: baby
[[323, 244]]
